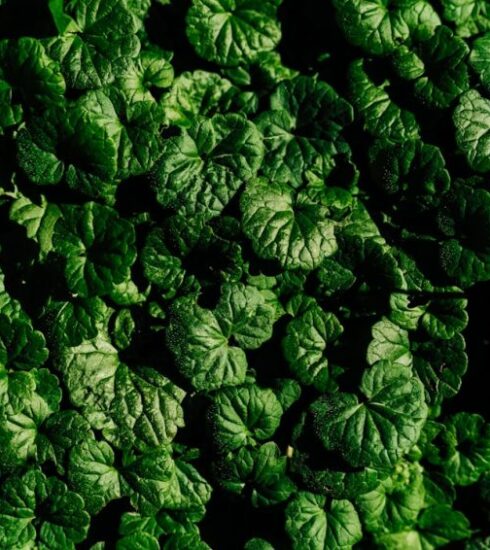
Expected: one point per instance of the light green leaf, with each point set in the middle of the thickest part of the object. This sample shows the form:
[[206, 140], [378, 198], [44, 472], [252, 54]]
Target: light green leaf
[[390, 342], [379, 27], [89, 372], [472, 121], [310, 523], [39, 221], [396, 502], [381, 427], [146, 408], [92, 474], [201, 170], [97, 39], [306, 344], [98, 247], [469, 16], [381, 117], [295, 232], [231, 32], [243, 415], [192, 94], [302, 130], [480, 58]]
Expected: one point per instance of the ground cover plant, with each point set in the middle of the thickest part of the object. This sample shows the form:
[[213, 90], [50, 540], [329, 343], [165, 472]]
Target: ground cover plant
[[244, 274]]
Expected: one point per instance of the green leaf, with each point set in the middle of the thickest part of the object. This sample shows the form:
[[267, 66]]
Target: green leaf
[[159, 265], [60, 432], [201, 340], [94, 142], [257, 544], [123, 329], [89, 372], [230, 32], [98, 247], [472, 121], [466, 260], [260, 470], [38, 220], [440, 525], [8, 305], [20, 424], [201, 170], [396, 502], [412, 169], [138, 541], [243, 415], [71, 323], [203, 353], [146, 408], [381, 427], [305, 346], [150, 70], [445, 74], [302, 130], [381, 116], [440, 366], [469, 16], [195, 93], [333, 278], [92, 474], [25, 348], [28, 78], [160, 482], [293, 231], [470, 456], [244, 313], [480, 59], [390, 343], [312, 524], [62, 522], [16, 389], [379, 27], [445, 317], [97, 39]]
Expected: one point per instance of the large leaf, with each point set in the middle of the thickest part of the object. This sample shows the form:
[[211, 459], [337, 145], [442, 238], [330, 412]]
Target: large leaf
[[97, 39], [381, 427], [379, 27], [201, 170], [296, 233], [310, 523], [230, 32], [98, 247], [306, 344], [381, 116], [92, 473], [243, 415], [472, 121], [443, 74], [146, 409], [302, 130]]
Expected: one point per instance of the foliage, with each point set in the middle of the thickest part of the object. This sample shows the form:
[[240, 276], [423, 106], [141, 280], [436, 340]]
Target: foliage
[[241, 243]]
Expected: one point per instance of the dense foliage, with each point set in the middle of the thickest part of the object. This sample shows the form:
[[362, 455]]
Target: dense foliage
[[241, 243]]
